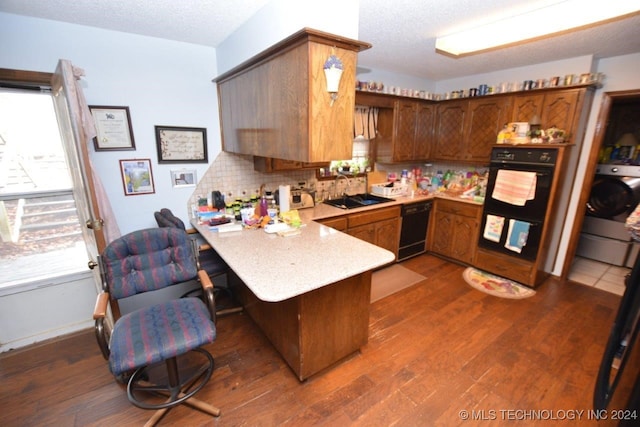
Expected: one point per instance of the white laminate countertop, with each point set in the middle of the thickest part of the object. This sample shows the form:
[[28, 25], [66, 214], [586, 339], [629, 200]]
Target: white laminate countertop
[[277, 268]]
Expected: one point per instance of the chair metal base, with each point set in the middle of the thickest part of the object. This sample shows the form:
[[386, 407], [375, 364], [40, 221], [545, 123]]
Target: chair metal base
[[161, 390]]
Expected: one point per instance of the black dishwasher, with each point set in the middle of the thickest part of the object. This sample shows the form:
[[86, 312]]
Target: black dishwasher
[[413, 234]]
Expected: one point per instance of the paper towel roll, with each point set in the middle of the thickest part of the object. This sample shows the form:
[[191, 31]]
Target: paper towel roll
[[284, 192]]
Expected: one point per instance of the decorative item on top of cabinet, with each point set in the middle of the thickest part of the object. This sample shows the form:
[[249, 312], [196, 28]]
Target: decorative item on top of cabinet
[[276, 104]]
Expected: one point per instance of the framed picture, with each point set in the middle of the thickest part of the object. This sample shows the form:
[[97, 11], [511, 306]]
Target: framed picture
[[136, 176], [113, 128], [184, 178], [181, 145]]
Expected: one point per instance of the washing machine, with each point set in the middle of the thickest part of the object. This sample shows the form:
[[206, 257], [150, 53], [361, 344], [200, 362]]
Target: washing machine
[[614, 195]]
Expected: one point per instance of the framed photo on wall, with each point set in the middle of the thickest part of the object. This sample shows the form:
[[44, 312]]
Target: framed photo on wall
[[181, 144], [113, 128], [184, 178], [137, 177]]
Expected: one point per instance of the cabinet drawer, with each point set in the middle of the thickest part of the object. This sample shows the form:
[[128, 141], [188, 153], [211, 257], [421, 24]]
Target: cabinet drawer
[[503, 266], [339, 223], [368, 217], [458, 208]]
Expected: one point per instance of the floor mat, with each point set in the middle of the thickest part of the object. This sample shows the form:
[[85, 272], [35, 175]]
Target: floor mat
[[392, 279], [496, 285]]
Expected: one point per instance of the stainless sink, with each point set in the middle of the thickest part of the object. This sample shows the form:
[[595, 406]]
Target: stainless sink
[[357, 201]]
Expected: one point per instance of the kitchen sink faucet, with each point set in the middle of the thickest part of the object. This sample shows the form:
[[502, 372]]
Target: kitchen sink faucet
[[347, 187]]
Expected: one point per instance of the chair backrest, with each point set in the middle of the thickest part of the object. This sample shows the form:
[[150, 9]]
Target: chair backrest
[[147, 260], [166, 218]]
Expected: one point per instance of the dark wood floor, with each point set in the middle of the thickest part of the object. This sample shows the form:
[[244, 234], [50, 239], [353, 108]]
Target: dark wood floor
[[435, 349]]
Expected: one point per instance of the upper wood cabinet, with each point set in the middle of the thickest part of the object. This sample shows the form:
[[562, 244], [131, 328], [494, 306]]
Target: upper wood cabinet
[[405, 132], [486, 117], [468, 128], [464, 130], [267, 164], [449, 130], [276, 104], [560, 108]]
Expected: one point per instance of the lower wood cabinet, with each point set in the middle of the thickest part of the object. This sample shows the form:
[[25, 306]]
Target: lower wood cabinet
[[380, 227], [339, 223], [453, 229]]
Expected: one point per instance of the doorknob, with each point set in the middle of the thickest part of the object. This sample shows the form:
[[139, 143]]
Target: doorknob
[[95, 225], [92, 264]]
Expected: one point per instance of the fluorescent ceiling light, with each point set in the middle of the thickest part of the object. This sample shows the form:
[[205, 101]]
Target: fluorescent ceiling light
[[534, 24]]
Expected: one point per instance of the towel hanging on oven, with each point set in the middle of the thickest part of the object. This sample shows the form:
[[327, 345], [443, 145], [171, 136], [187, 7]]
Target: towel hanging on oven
[[493, 227], [517, 235], [514, 187]]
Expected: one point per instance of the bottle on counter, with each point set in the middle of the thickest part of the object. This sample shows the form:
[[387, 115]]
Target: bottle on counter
[[264, 205]]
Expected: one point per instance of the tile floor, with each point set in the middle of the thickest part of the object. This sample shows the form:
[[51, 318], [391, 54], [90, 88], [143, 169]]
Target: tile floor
[[603, 276]]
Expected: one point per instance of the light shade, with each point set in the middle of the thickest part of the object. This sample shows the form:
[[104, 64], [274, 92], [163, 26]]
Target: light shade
[[534, 24]]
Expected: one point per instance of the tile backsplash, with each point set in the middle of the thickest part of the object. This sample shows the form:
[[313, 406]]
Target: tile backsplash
[[233, 173]]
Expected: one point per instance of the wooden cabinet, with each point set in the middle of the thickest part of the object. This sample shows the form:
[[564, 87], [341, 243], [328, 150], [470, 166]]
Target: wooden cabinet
[[486, 116], [267, 164], [405, 132], [380, 227], [466, 129], [339, 223], [559, 108], [276, 104], [453, 231]]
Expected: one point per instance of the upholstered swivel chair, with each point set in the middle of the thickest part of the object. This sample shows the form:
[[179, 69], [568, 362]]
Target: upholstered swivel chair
[[208, 258], [144, 340]]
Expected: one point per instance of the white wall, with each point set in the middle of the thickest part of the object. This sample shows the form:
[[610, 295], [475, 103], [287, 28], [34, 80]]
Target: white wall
[[162, 83], [281, 18]]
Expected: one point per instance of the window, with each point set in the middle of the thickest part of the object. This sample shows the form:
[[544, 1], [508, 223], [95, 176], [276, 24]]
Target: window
[[40, 235]]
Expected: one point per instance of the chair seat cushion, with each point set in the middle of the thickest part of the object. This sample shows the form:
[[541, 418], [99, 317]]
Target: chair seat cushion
[[159, 332]]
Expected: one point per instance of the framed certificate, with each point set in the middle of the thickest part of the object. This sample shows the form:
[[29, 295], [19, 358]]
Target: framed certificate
[[113, 128], [181, 144]]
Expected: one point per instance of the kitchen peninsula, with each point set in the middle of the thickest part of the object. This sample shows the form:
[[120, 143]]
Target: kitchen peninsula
[[308, 293]]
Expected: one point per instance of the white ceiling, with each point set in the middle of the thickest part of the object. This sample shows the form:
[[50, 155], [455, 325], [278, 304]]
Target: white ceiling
[[402, 32]]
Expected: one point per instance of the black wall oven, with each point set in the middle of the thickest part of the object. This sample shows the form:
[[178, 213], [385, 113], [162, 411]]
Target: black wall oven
[[517, 197]]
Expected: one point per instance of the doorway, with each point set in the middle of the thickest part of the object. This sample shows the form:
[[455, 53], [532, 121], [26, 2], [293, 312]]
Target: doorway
[[619, 116], [39, 225]]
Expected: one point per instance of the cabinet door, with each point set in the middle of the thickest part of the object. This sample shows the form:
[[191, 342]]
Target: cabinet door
[[560, 110], [388, 235], [449, 132], [527, 106], [487, 117], [405, 128], [443, 233], [464, 239], [364, 232], [425, 116]]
